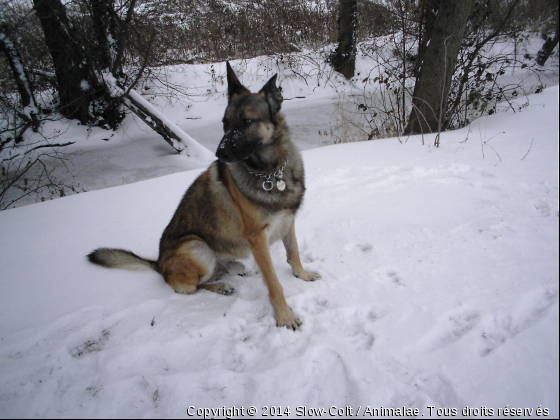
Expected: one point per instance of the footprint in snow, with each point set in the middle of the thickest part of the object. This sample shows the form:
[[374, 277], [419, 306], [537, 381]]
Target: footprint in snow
[[361, 337], [543, 208], [418, 385], [91, 346], [531, 308], [235, 362], [451, 328], [395, 278], [364, 248]]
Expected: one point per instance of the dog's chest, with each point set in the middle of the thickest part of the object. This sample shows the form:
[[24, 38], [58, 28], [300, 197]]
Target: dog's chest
[[278, 225]]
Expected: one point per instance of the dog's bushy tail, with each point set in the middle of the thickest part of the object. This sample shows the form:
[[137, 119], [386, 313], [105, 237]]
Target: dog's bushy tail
[[120, 258]]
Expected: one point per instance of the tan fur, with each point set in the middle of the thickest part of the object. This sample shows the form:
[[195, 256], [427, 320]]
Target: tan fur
[[255, 225]]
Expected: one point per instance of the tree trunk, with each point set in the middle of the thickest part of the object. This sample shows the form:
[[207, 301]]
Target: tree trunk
[[547, 49], [74, 82], [104, 23], [428, 12], [440, 57], [29, 110], [171, 133], [344, 60], [82, 95]]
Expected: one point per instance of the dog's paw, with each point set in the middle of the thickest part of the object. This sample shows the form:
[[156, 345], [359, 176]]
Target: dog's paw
[[237, 268], [288, 319], [293, 325], [219, 288], [307, 275], [225, 290]]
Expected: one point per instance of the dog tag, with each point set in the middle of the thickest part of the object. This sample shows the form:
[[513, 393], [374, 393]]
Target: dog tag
[[281, 185]]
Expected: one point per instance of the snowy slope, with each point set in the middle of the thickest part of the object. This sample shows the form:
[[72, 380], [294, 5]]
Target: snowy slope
[[439, 290]]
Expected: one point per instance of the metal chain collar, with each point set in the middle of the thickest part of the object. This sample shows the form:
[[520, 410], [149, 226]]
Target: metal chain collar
[[272, 178]]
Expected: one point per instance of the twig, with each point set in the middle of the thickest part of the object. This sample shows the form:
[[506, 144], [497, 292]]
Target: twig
[[530, 147]]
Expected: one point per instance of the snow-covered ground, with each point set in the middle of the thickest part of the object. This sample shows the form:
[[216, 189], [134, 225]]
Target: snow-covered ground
[[439, 288]]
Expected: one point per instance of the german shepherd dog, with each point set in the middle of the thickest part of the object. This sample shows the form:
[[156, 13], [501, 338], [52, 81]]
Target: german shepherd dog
[[244, 201]]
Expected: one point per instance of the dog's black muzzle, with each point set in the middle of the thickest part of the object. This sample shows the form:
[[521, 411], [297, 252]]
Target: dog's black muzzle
[[234, 147]]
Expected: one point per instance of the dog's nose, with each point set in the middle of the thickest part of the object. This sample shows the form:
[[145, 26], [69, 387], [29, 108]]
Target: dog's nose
[[233, 147], [225, 149]]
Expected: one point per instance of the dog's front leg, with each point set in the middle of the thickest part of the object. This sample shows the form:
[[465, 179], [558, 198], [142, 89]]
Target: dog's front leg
[[292, 252], [284, 315]]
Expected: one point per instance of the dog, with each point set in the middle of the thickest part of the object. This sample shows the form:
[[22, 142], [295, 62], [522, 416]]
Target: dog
[[246, 200]]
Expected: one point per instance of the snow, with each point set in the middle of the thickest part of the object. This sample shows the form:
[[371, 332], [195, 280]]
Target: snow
[[85, 85], [439, 288]]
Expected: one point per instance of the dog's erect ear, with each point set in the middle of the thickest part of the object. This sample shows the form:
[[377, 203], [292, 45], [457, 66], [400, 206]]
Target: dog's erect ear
[[273, 94], [234, 85]]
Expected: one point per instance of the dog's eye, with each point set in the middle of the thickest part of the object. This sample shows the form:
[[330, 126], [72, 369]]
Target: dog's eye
[[247, 121]]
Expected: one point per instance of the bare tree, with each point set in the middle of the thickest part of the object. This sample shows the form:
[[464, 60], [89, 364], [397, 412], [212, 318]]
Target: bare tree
[[344, 58], [550, 22], [436, 70], [29, 110], [547, 49], [83, 87], [81, 95], [105, 24], [26, 170]]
